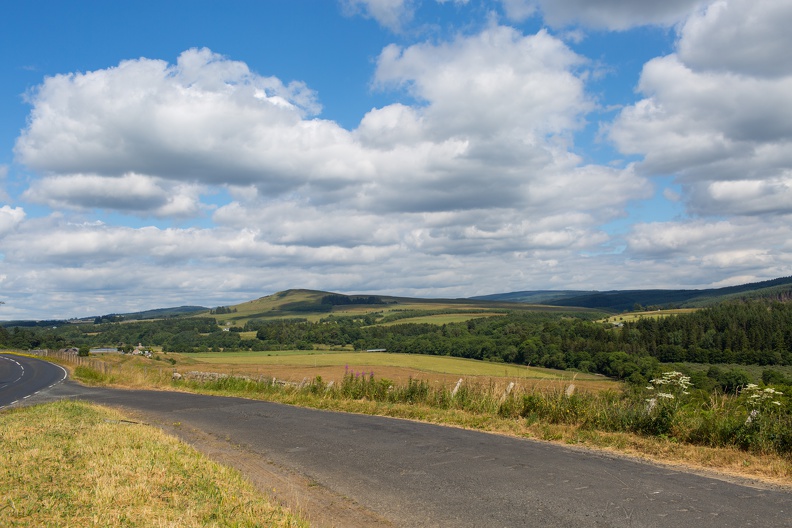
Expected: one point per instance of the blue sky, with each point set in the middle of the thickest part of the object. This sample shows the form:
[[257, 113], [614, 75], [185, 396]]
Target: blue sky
[[162, 153]]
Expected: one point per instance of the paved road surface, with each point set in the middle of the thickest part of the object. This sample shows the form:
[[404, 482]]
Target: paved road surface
[[416, 474], [21, 377]]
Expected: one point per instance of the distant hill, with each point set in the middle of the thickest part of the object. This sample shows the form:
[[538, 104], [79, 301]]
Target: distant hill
[[534, 297], [158, 313], [313, 305], [302, 303], [620, 300], [165, 312], [31, 323]]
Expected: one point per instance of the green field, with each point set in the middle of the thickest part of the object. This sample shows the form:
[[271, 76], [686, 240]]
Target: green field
[[441, 319], [654, 314], [247, 357], [438, 364]]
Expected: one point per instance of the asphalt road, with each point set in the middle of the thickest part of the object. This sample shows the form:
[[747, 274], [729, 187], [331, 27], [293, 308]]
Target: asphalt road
[[416, 474], [21, 377]]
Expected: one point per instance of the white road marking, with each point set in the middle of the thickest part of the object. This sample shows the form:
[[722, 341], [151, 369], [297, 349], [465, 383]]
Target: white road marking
[[65, 375]]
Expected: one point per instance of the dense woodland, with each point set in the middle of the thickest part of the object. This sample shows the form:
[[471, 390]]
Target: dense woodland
[[751, 333]]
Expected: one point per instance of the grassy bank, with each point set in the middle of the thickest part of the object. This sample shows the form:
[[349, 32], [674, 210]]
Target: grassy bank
[[75, 464]]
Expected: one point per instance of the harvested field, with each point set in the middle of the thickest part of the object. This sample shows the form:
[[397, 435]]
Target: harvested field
[[396, 367]]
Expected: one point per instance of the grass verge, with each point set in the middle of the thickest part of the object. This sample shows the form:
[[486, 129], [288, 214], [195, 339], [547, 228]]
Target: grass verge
[[76, 464]]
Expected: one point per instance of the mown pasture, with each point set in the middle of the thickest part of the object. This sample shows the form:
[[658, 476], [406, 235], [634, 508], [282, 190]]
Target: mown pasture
[[653, 314], [333, 365], [441, 319]]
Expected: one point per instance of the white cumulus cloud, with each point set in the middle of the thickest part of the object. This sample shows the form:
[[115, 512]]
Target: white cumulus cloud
[[492, 127], [748, 37], [715, 115], [206, 119], [719, 117], [392, 14], [10, 218], [602, 14], [134, 193]]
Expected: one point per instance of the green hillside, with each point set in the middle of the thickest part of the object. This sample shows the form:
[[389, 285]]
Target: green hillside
[[312, 305], [621, 300]]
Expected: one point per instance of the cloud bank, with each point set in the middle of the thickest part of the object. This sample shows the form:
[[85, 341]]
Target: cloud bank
[[718, 120]]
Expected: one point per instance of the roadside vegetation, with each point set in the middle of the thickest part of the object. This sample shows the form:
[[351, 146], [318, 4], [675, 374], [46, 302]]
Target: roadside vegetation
[[755, 420], [76, 464], [748, 433]]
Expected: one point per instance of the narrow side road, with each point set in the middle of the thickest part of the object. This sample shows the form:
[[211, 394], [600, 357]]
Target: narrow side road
[[415, 474]]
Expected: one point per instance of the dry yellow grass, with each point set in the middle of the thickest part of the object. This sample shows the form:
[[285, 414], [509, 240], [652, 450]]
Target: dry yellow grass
[[398, 368], [76, 464], [418, 362], [135, 371]]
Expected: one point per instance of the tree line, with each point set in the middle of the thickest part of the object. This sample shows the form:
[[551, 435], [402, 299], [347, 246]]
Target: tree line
[[751, 333]]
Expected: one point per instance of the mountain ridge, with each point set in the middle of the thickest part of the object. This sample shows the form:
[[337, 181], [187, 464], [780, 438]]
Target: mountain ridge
[[620, 300]]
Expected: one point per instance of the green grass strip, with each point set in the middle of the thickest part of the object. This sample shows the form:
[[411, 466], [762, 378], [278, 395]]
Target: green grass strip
[[77, 464]]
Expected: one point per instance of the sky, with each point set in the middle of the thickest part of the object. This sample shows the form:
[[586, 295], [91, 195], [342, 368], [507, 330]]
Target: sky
[[157, 154]]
